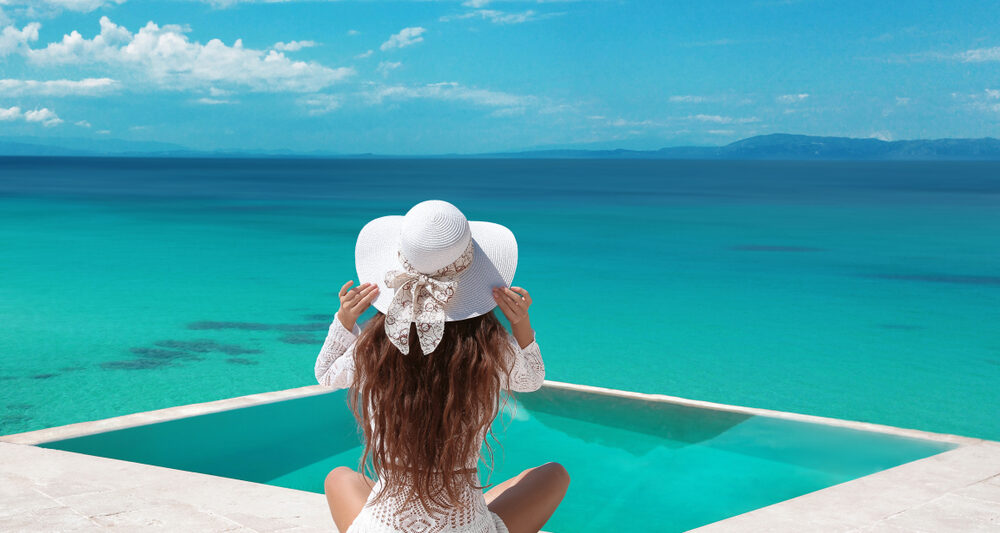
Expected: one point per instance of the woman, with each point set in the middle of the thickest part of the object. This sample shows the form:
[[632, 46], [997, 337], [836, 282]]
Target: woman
[[425, 377]]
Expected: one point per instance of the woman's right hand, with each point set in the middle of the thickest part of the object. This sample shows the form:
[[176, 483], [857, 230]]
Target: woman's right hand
[[354, 302]]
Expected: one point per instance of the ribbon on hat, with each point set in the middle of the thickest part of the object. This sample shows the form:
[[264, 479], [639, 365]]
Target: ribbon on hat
[[421, 298]]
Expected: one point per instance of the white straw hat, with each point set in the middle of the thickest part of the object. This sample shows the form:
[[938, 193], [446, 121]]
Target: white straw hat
[[434, 237]]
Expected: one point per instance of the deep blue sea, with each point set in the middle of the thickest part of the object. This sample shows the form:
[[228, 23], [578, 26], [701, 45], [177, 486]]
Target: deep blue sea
[[861, 290]]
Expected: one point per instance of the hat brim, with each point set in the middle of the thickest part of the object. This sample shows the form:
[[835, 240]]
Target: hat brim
[[493, 264]]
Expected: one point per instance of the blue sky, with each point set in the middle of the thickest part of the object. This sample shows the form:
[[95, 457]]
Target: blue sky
[[442, 76]]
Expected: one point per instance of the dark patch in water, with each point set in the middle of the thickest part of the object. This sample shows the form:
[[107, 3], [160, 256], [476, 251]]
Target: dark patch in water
[[907, 327], [774, 248], [943, 278], [256, 326], [19, 406], [159, 353], [241, 361], [44, 376], [14, 419], [205, 345], [318, 316], [300, 338], [5, 378], [135, 364], [71, 368]]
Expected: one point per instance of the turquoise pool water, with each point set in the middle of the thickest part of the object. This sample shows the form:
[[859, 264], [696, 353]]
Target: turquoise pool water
[[866, 291], [635, 465]]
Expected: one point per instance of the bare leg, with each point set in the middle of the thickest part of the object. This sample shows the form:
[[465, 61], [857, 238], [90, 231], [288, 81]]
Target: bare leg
[[346, 492], [526, 501]]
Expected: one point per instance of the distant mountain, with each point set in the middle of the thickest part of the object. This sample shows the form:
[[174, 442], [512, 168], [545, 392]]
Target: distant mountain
[[787, 146], [26, 145], [778, 146]]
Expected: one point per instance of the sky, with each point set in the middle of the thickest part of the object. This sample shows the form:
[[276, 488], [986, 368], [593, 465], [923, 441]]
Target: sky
[[473, 76]]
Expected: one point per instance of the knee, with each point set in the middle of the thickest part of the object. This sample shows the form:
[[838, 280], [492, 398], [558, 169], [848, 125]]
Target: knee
[[557, 473], [338, 478]]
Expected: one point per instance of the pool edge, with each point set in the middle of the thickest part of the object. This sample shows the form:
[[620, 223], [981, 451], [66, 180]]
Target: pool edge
[[80, 429]]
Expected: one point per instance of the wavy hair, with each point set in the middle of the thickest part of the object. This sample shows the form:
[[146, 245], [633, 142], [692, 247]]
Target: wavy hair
[[428, 413]]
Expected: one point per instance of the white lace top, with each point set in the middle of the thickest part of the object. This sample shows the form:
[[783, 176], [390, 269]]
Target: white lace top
[[335, 368]]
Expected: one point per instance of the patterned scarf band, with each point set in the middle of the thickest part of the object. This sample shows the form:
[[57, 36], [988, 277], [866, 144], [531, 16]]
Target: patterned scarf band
[[421, 298]]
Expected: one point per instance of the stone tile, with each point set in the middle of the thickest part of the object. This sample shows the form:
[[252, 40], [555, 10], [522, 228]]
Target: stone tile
[[261, 523], [886, 527], [987, 491], [18, 496], [168, 515], [950, 513], [47, 520]]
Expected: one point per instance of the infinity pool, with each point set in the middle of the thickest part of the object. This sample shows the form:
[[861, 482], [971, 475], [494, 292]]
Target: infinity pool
[[636, 465]]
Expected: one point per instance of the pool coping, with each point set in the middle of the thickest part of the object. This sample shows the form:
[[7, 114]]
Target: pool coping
[[955, 490]]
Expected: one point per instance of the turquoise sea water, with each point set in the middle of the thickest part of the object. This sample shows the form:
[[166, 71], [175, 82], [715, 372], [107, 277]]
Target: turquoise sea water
[[867, 291], [634, 465]]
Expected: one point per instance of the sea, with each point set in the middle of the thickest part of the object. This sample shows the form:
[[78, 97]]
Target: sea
[[866, 291]]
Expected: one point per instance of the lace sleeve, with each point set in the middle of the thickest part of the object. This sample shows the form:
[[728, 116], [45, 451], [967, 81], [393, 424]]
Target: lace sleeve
[[528, 371], [335, 363]]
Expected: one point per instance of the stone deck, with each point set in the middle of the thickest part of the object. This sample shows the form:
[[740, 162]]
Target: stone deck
[[53, 490]]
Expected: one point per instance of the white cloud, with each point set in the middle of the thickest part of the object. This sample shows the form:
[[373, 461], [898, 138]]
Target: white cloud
[[36, 8], [363, 55], [451, 91], [82, 123], [164, 56], [44, 115], [353, 32], [500, 17], [320, 104], [688, 98], [791, 98], [103, 132], [721, 132], [979, 55], [385, 67], [10, 113], [882, 135], [623, 123], [13, 40], [475, 3], [719, 119], [903, 100], [985, 101], [86, 86], [213, 101], [405, 37], [293, 46]]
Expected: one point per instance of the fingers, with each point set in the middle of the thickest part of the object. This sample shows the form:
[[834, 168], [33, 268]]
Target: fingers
[[353, 294], [343, 290], [524, 294], [510, 303], [514, 298], [368, 296], [357, 295]]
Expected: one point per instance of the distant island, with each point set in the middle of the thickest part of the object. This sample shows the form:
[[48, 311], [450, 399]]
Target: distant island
[[777, 146]]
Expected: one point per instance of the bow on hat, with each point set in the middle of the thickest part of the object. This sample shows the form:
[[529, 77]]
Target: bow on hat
[[421, 298]]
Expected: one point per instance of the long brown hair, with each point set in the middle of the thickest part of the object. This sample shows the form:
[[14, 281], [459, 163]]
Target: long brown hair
[[428, 412]]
